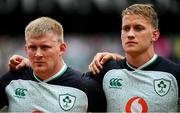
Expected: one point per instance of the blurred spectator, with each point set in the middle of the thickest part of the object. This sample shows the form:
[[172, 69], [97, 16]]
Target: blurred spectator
[[163, 47]]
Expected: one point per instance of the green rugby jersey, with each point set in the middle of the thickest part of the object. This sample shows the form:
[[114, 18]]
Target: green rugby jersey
[[153, 87], [67, 91]]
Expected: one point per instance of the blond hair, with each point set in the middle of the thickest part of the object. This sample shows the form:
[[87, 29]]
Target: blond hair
[[145, 10], [44, 25]]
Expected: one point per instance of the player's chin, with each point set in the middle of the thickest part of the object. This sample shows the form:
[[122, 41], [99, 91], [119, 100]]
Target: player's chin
[[39, 68], [131, 51]]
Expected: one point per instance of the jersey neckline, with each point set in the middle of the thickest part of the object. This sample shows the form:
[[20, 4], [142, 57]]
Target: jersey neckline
[[57, 75], [151, 61]]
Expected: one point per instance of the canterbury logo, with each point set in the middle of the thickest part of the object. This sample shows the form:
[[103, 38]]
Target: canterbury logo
[[115, 83], [20, 91]]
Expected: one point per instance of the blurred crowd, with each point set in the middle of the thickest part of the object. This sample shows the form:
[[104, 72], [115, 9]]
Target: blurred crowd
[[82, 48]]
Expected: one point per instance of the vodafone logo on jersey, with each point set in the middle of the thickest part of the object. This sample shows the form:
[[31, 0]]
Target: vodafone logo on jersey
[[36, 112], [136, 105]]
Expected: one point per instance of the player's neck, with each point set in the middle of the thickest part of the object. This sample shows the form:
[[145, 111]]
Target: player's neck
[[45, 75], [139, 60]]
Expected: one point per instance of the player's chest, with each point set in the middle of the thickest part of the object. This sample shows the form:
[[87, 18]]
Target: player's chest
[[140, 91], [33, 96]]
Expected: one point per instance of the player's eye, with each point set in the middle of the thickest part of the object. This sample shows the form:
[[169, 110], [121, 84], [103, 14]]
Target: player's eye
[[139, 28], [45, 47], [126, 28], [32, 47]]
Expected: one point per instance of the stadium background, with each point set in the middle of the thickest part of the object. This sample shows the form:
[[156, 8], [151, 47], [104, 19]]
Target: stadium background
[[90, 26]]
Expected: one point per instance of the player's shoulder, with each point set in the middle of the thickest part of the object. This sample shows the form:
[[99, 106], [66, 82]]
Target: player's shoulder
[[86, 79], [13, 74], [82, 80], [168, 65], [72, 74], [78, 78], [23, 73], [112, 64]]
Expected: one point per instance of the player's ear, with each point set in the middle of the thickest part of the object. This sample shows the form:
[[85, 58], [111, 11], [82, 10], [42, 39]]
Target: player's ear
[[25, 48], [62, 48], [156, 35]]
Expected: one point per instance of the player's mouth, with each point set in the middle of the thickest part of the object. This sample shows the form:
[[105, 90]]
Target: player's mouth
[[131, 43]]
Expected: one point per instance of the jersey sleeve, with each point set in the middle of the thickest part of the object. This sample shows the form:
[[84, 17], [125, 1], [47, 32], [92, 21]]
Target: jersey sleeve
[[95, 94], [4, 81]]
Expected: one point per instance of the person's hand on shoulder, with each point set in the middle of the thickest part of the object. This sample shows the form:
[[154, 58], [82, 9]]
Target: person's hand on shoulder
[[101, 58], [17, 62]]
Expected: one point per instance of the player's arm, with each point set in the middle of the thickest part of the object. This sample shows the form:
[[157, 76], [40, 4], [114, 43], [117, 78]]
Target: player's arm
[[17, 62], [100, 58]]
